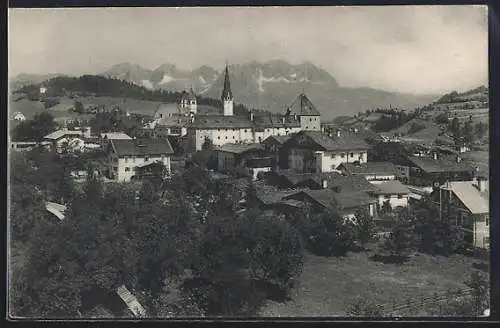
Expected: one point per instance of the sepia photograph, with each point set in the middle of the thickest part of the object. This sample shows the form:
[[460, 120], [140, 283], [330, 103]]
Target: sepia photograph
[[248, 162]]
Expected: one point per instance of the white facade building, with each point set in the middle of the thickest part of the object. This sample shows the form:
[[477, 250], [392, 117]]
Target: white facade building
[[126, 156], [315, 151]]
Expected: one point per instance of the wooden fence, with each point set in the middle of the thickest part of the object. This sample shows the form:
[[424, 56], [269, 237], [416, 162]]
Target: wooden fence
[[416, 305]]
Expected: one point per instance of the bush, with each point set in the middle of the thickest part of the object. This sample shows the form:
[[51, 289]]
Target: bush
[[325, 234], [50, 102]]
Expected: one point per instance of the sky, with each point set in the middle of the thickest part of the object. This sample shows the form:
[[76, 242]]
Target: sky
[[413, 49]]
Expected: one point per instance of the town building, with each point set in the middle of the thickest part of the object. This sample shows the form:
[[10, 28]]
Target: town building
[[432, 170], [309, 116], [65, 139], [228, 127], [251, 157], [188, 101], [393, 191], [466, 204], [274, 145], [346, 204], [371, 171], [127, 157], [105, 138], [316, 151]]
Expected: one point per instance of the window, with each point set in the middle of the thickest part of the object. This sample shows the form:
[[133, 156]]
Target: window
[[218, 137], [352, 154], [127, 169], [387, 196], [218, 130], [400, 196], [310, 119], [226, 137], [126, 159], [342, 155], [146, 158], [245, 130]]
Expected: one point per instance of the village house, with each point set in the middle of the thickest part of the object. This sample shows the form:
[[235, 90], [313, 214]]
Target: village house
[[315, 151], [393, 191], [371, 171], [71, 139], [466, 204], [346, 204], [432, 170], [251, 157], [18, 116], [126, 157], [274, 145], [105, 138]]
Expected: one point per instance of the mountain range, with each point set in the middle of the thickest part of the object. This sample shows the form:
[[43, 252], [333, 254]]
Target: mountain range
[[271, 85]]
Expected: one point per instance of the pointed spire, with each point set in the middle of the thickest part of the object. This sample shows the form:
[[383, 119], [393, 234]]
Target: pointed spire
[[226, 92]]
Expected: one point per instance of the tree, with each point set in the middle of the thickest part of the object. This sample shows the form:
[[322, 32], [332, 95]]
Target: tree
[[435, 236], [468, 133], [387, 207], [328, 234], [400, 242], [50, 102], [78, 107], [481, 129], [455, 128], [35, 129], [276, 250], [442, 118], [365, 228], [207, 144]]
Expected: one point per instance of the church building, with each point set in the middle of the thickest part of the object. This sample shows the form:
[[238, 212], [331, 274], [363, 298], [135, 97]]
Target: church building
[[200, 124]]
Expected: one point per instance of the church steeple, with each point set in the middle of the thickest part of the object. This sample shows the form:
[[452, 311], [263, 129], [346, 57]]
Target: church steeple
[[227, 95], [226, 92]]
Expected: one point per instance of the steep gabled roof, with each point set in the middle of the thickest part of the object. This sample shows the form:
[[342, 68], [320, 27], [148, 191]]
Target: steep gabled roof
[[334, 143], [57, 209], [393, 187], [377, 168], [62, 133], [141, 147], [239, 148], [221, 122], [442, 164], [467, 191], [303, 106], [279, 139], [132, 303]]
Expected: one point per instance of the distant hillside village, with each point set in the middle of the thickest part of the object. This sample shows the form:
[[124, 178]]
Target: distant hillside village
[[293, 160]]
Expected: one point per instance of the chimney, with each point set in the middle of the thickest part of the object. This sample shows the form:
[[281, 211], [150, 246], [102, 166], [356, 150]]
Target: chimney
[[435, 155], [283, 120], [459, 159], [325, 184], [481, 184], [251, 116], [338, 133], [295, 117]]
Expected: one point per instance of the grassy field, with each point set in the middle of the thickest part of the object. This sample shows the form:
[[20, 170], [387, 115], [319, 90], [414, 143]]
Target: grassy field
[[328, 285], [60, 111]]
